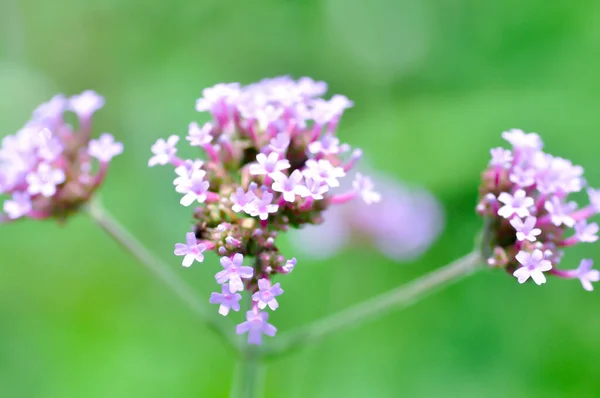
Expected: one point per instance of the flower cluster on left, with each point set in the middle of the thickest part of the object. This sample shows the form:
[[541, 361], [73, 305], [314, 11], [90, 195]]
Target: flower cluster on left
[[48, 167]]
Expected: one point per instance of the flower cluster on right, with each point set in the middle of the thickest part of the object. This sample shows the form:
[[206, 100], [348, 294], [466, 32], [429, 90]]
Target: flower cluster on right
[[524, 196]]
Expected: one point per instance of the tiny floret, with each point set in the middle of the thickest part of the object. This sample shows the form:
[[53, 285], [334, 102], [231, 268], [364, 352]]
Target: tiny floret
[[163, 151], [526, 229], [533, 266], [587, 275], [227, 300], [234, 272], [266, 294], [191, 250], [256, 325], [105, 148]]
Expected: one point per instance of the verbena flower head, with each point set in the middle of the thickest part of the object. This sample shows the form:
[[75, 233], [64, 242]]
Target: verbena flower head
[[49, 168], [270, 156], [402, 225], [530, 220]]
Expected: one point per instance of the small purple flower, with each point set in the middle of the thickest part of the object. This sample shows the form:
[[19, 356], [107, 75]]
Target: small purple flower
[[220, 93], [364, 186], [289, 186], [52, 110], [242, 200], [316, 189], [86, 103], [105, 148], [191, 250], [49, 146], [518, 204], [44, 180], [234, 272], [228, 300], [323, 170], [587, 275], [18, 206], [586, 232], [533, 265], [266, 294], [195, 189], [199, 136], [520, 140], [329, 144], [187, 170], [256, 325], [594, 195], [280, 143], [501, 157], [560, 212], [267, 115], [270, 165], [526, 230], [163, 151], [262, 206], [523, 177], [289, 265]]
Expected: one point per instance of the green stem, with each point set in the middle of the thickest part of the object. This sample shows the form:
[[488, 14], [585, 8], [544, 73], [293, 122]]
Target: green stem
[[249, 375], [161, 270], [398, 298]]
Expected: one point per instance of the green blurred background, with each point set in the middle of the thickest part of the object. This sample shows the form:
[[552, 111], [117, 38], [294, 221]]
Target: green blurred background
[[434, 83]]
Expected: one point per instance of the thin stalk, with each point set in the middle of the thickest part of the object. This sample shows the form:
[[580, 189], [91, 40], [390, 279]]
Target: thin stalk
[[162, 271], [395, 299], [249, 375]]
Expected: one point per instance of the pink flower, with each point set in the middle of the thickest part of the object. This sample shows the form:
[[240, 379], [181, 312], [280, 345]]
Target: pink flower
[[105, 148], [256, 325], [200, 136], [266, 294], [163, 151], [322, 170], [533, 265], [195, 189], [86, 103], [518, 204], [233, 272], [561, 212], [364, 186], [44, 180], [289, 186], [501, 157], [191, 250], [587, 275], [270, 165], [243, 200], [228, 300], [520, 140], [18, 206], [586, 232], [526, 229]]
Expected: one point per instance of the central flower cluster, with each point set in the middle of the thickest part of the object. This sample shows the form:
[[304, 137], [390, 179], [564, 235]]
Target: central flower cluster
[[525, 198], [271, 158]]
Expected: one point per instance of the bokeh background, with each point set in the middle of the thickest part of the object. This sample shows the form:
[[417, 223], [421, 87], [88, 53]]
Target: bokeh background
[[434, 83]]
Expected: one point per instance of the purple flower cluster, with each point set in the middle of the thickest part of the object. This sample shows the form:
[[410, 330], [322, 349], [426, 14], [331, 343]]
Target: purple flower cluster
[[47, 167], [530, 219], [402, 225], [271, 158]]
